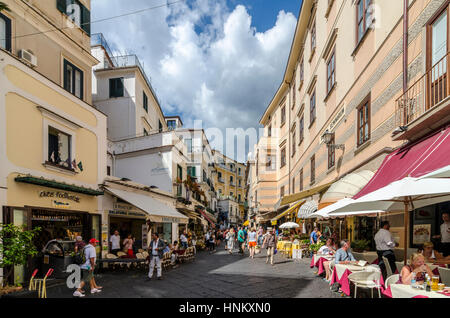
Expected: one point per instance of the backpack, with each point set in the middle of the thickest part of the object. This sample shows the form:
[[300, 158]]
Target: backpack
[[80, 257]]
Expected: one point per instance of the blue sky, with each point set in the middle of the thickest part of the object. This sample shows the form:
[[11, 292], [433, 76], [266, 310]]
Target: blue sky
[[215, 61]]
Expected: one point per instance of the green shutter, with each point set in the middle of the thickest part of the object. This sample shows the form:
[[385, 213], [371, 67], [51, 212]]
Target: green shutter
[[61, 6], [85, 19]]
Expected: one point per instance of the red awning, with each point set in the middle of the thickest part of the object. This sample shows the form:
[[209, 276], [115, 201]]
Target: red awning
[[207, 218], [413, 160]]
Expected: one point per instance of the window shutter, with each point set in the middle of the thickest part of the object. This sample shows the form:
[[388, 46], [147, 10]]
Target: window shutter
[[111, 87], [86, 19], [61, 5], [120, 87]]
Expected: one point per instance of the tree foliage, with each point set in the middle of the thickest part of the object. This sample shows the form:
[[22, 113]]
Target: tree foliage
[[16, 245]]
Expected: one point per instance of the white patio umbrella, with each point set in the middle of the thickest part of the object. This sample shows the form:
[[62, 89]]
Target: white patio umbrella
[[401, 195], [325, 212], [439, 173], [289, 225]]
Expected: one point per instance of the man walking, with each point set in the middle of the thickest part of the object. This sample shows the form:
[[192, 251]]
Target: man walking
[[241, 239], [87, 269], [385, 247], [157, 248]]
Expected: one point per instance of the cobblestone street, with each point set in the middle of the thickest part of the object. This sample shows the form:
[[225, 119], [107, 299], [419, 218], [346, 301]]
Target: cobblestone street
[[213, 276]]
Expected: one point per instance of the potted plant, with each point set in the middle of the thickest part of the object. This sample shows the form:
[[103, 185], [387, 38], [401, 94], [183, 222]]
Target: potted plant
[[315, 247], [304, 243], [360, 245], [17, 246]]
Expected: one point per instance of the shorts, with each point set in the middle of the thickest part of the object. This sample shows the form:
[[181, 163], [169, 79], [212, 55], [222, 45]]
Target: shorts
[[251, 244], [86, 275]]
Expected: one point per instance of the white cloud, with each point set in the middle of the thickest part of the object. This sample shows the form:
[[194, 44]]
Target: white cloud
[[205, 60]]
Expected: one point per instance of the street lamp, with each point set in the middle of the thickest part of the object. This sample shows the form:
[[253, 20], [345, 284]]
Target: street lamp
[[327, 139]]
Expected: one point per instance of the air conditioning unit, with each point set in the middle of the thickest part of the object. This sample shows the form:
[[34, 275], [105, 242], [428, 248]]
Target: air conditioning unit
[[28, 56]]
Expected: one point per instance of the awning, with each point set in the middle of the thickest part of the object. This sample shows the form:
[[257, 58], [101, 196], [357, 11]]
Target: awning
[[307, 209], [57, 185], [346, 187], [157, 210], [190, 214], [414, 160], [291, 209], [304, 194], [203, 213]]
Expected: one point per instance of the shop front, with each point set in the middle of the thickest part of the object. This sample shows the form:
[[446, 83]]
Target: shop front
[[61, 211]]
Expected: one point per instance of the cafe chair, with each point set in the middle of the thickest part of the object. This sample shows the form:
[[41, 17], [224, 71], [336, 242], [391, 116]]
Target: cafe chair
[[140, 256], [365, 279], [120, 254], [112, 256], [140, 250], [32, 285], [166, 260], [400, 266], [41, 282], [445, 275], [388, 267], [391, 280]]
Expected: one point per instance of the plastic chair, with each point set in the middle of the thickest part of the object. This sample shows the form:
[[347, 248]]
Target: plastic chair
[[388, 266], [366, 280], [140, 250], [444, 273], [32, 285], [42, 289], [287, 249], [391, 280]]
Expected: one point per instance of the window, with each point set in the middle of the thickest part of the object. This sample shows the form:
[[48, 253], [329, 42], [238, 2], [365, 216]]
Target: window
[[283, 115], [294, 145], [313, 37], [269, 131], [331, 154], [59, 147], [301, 180], [293, 91], [145, 101], [301, 129], [364, 121], [145, 132], [282, 192], [188, 143], [116, 87], [331, 72], [77, 12], [313, 169], [73, 79], [5, 32], [108, 170], [160, 127], [312, 109], [293, 185], [240, 183], [231, 179], [283, 157], [231, 194], [204, 176], [179, 176], [239, 198], [172, 124], [364, 19], [191, 172], [302, 71]]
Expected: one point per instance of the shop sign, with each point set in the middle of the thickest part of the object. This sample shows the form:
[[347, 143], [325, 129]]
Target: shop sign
[[127, 213], [59, 195], [166, 219]]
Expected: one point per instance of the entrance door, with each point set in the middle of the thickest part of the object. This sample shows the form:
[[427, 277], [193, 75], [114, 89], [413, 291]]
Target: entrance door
[[437, 60]]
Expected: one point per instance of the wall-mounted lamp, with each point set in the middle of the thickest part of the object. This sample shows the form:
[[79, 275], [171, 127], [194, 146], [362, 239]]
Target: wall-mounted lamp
[[327, 139]]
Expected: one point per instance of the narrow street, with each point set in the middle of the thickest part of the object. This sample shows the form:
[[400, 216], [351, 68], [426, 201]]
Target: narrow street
[[218, 275]]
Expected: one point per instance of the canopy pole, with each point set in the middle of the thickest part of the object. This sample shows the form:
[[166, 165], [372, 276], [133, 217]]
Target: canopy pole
[[405, 235]]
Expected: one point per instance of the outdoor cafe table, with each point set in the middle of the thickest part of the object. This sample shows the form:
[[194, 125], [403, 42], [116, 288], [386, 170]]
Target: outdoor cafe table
[[406, 291], [341, 272], [318, 260]]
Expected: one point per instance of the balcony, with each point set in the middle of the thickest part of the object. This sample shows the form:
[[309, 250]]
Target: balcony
[[425, 105]]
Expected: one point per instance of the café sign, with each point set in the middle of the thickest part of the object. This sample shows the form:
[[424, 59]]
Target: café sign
[[59, 195]]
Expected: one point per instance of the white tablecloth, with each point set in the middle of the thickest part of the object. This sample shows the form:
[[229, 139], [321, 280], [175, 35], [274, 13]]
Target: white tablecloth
[[406, 291], [316, 258], [370, 257], [340, 268]]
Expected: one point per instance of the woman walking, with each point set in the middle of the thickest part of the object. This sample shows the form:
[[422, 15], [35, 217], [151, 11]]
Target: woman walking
[[231, 237], [270, 241], [252, 242]]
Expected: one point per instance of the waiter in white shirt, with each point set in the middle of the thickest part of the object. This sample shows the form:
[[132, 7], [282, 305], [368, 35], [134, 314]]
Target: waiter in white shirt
[[385, 245], [445, 235]]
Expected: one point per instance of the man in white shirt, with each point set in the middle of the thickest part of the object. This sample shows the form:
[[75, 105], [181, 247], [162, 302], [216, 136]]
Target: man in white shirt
[[87, 269], [184, 240], [115, 242], [156, 253], [445, 235], [385, 245]]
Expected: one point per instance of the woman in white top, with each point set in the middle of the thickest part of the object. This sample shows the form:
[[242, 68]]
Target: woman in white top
[[252, 242], [230, 240], [431, 255]]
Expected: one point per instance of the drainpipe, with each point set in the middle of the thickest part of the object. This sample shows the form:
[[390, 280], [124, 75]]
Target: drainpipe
[[405, 55]]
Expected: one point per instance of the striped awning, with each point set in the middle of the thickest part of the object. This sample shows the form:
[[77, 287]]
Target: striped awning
[[293, 208], [307, 209]]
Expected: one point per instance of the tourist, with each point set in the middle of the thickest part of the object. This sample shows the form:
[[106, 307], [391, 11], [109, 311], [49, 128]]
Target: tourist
[[115, 242], [343, 255], [241, 240], [212, 242], [260, 235], [252, 242], [445, 235], [385, 245], [218, 237], [313, 237], [156, 253], [231, 237], [184, 240], [194, 243], [416, 270], [328, 249], [430, 254], [79, 244], [128, 245], [270, 242], [87, 269]]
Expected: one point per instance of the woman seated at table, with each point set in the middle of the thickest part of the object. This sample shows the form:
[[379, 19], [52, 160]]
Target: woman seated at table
[[418, 267], [431, 255], [327, 249]]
